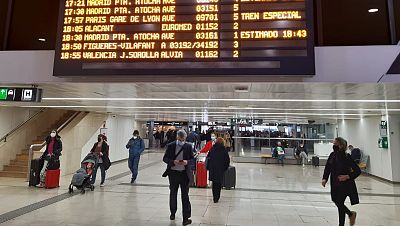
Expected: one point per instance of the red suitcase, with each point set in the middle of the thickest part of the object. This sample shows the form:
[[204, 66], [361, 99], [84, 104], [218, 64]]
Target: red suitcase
[[52, 179], [201, 175]]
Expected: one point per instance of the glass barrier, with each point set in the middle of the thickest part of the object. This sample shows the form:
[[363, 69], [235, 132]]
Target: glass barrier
[[263, 146]]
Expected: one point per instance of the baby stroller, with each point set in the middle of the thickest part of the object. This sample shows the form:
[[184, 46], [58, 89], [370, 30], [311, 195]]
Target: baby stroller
[[81, 179]]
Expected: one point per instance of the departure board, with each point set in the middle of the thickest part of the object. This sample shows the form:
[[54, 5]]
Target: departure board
[[185, 37]]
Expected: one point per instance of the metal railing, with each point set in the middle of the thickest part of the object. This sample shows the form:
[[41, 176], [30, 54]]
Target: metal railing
[[21, 125], [30, 152]]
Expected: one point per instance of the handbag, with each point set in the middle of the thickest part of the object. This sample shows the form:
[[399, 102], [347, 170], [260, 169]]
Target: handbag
[[168, 170], [53, 164], [207, 162], [106, 162]]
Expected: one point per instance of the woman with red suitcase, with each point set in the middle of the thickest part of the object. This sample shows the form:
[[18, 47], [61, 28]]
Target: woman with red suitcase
[[51, 156]]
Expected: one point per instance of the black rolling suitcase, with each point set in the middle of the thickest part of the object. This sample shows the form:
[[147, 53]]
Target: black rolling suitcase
[[34, 175], [229, 180], [315, 161]]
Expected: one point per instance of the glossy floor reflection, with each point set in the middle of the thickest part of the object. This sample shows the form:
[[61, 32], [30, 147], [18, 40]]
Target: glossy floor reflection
[[265, 195]]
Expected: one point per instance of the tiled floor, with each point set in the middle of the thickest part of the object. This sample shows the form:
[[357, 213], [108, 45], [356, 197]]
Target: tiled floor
[[266, 195]]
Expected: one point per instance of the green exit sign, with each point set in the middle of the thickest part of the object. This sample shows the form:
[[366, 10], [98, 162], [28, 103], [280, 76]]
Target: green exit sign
[[3, 94]]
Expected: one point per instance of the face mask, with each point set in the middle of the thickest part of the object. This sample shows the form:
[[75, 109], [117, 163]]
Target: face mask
[[335, 147], [134, 137], [181, 143], [213, 138], [53, 135]]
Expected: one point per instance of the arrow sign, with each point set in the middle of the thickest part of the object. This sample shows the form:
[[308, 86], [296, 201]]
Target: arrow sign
[[3, 94]]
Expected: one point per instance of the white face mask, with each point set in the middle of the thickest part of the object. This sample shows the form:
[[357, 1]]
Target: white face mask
[[134, 137], [180, 143], [53, 135]]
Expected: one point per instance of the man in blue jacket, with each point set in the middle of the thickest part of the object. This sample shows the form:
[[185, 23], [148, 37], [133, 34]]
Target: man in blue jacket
[[136, 147]]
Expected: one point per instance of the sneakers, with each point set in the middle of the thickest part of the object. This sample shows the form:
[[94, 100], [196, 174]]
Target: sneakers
[[172, 217], [187, 222], [102, 185], [353, 218], [132, 181]]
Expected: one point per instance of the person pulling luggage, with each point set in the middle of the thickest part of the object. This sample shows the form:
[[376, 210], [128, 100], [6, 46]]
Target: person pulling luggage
[[217, 163], [136, 147], [209, 144], [51, 156]]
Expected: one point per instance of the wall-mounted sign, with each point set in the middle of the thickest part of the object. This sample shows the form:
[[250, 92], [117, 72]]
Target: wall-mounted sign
[[20, 94], [246, 121], [160, 123]]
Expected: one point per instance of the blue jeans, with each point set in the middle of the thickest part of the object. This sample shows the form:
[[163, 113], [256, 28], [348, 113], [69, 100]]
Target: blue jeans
[[133, 163], [103, 173], [281, 158]]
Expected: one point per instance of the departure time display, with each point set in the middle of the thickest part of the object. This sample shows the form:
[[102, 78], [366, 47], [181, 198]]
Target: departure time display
[[195, 37]]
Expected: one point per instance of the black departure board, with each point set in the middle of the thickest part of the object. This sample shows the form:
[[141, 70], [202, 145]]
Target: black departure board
[[185, 37]]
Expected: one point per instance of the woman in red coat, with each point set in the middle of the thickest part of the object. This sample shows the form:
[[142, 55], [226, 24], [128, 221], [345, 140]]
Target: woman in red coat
[[209, 144]]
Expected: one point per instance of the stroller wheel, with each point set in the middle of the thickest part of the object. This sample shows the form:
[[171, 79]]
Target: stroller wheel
[[70, 190], [83, 191], [92, 187]]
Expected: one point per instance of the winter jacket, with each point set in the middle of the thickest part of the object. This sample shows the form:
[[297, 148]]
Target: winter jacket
[[135, 146], [345, 165], [218, 162], [56, 151]]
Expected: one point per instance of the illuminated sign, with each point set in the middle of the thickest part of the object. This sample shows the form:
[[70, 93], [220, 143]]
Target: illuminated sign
[[21, 94], [185, 37]]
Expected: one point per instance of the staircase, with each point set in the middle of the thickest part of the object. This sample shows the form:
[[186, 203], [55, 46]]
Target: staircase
[[18, 167]]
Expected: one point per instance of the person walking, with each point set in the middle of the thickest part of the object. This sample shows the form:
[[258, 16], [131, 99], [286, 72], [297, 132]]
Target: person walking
[[217, 163], [52, 154], [179, 158], [342, 171], [136, 148], [101, 150]]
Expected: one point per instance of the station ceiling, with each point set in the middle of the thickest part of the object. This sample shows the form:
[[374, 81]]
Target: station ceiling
[[275, 102]]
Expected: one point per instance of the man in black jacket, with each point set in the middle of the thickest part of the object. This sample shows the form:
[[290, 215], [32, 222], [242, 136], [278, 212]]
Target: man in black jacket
[[179, 158]]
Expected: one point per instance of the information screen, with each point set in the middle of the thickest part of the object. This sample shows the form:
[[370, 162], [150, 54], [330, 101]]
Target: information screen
[[185, 37]]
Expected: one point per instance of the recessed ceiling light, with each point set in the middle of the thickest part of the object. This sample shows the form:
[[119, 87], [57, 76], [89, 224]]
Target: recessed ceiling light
[[42, 39], [374, 10]]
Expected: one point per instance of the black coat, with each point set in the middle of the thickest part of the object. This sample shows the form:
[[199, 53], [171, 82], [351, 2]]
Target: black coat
[[218, 162], [337, 166], [56, 150], [169, 157], [105, 149]]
